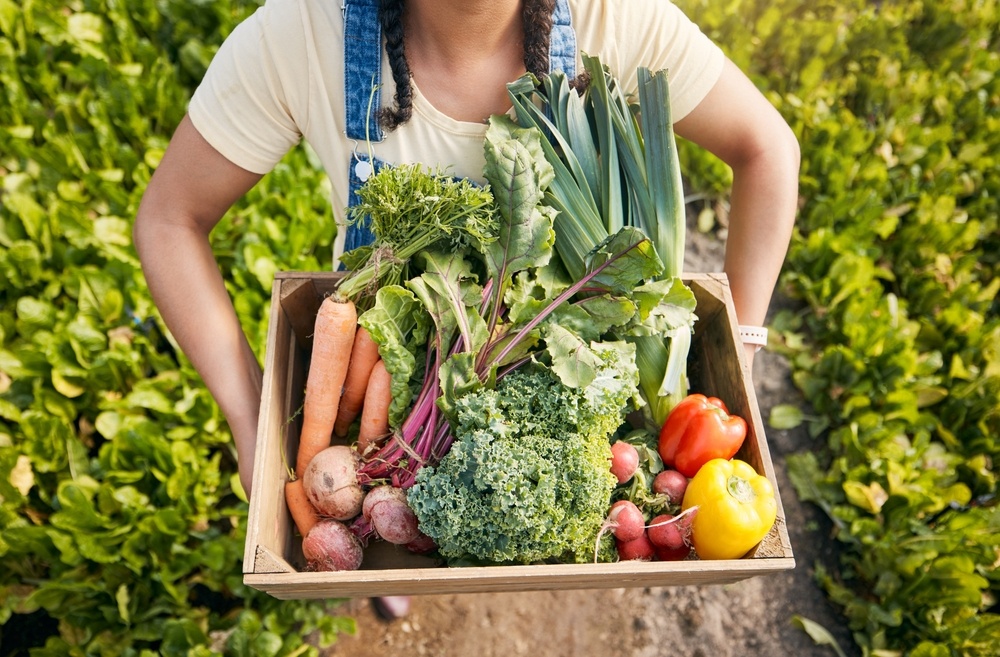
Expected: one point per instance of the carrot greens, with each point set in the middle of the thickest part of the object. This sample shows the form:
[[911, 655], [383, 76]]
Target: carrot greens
[[409, 209]]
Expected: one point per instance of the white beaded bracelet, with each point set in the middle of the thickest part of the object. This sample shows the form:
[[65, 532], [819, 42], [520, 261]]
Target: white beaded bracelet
[[755, 335]]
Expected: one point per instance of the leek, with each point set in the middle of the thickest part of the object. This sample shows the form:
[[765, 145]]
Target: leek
[[615, 166]]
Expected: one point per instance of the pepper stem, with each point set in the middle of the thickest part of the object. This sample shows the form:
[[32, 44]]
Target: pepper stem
[[741, 489]]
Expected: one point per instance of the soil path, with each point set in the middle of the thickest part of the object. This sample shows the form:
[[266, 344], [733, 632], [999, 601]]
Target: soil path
[[749, 618]]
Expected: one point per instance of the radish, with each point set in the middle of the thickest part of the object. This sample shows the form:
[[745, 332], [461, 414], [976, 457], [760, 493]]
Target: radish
[[626, 520], [330, 545], [637, 549], [626, 523], [670, 536], [624, 461], [390, 515], [671, 483], [672, 554], [331, 483]]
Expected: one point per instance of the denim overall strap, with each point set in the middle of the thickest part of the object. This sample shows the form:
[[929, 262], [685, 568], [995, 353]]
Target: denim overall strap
[[362, 68], [362, 77], [562, 42]]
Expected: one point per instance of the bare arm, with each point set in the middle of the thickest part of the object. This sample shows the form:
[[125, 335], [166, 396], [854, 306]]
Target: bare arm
[[739, 125], [191, 190]]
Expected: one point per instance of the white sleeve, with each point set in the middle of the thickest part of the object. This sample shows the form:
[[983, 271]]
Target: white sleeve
[[655, 34], [246, 105]]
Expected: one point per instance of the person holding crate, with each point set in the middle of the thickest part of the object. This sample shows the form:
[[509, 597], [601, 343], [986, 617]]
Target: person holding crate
[[306, 69]]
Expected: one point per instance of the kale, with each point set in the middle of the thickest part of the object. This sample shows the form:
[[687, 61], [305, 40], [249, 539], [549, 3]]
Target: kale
[[527, 478]]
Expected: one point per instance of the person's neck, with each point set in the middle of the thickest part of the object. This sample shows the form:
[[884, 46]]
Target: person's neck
[[450, 33]]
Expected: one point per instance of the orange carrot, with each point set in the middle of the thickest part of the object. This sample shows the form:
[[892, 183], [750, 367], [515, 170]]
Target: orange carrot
[[303, 512], [333, 337], [375, 413], [364, 353]]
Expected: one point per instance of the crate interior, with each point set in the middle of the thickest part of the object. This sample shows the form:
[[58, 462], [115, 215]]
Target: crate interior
[[716, 367]]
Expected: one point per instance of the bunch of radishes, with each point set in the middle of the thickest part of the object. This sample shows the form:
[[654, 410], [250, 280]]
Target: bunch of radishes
[[666, 536]]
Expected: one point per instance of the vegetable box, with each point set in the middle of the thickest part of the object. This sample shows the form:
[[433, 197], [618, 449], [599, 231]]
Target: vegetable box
[[273, 560]]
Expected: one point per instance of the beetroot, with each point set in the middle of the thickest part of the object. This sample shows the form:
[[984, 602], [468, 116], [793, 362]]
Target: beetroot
[[331, 483], [330, 545], [393, 519], [422, 544]]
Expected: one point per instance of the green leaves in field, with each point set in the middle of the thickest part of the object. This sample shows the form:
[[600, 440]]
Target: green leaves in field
[[895, 261], [118, 516]]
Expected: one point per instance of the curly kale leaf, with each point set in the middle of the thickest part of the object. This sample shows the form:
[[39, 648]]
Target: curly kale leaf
[[527, 478]]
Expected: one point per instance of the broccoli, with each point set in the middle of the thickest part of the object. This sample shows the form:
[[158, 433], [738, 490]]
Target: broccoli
[[527, 478]]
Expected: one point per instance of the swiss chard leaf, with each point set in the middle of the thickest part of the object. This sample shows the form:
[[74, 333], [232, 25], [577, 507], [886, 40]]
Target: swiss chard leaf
[[398, 322], [451, 295], [518, 173]]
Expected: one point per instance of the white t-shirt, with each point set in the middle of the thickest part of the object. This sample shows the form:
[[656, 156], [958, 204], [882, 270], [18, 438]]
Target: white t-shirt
[[279, 78]]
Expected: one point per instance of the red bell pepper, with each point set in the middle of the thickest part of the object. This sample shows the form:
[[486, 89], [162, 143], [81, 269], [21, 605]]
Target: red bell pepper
[[697, 430]]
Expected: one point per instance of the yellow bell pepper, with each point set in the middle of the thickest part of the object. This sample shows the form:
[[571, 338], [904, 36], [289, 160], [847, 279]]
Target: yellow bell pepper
[[736, 508]]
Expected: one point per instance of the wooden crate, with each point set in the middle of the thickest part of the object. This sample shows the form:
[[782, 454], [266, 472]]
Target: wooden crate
[[273, 556]]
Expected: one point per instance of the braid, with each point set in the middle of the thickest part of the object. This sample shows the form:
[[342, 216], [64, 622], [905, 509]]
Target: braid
[[390, 14], [537, 20], [537, 32]]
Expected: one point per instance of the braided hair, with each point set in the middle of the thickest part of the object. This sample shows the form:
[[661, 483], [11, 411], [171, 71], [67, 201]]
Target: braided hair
[[536, 17]]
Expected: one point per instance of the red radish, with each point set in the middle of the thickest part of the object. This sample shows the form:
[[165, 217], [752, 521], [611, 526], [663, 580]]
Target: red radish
[[330, 545], [673, 554], [671, 483], [624, 461], [390, 515], [638, 549], [626, 520], [331, 483], [666, 531]]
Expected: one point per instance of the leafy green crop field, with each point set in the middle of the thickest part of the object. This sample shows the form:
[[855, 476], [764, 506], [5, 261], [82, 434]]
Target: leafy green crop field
[[121, 519], [122, 522], [896, 346]]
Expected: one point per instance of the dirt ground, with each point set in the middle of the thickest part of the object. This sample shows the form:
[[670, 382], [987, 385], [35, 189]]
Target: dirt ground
[[749, 618]]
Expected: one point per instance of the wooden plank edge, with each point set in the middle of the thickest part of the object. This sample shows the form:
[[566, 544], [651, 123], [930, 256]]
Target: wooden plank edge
[[261, 446], [353, 584]]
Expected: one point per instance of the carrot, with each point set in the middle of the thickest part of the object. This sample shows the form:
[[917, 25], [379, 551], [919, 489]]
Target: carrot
[[375, 413], [333, 337], [304, 514], [364, 353]]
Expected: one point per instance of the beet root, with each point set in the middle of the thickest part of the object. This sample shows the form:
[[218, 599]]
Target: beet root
[[331, 483], [330, 545], [390, 514]]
